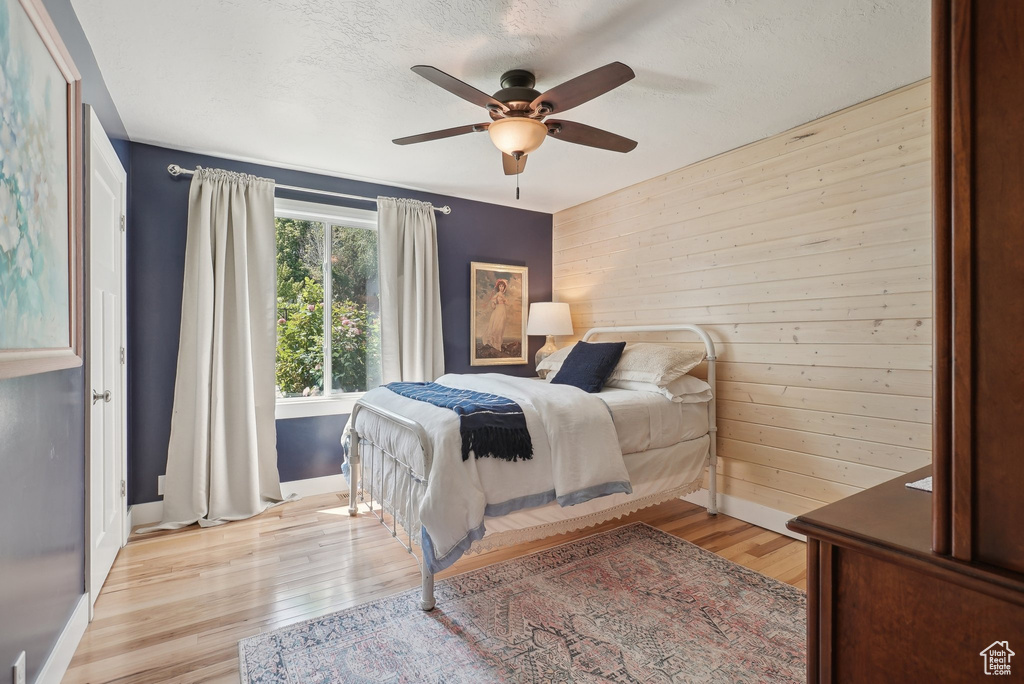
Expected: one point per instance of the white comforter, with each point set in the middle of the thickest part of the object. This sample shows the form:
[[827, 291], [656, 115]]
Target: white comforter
[[576, 458]]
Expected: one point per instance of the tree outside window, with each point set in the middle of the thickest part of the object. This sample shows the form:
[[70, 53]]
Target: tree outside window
[[326, 266]]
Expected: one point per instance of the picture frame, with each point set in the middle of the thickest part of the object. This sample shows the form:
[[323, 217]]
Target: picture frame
[[499, 304], [41, 299]]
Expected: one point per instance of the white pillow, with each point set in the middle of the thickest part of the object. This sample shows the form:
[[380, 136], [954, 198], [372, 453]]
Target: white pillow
[[687, 389], [657, 364]]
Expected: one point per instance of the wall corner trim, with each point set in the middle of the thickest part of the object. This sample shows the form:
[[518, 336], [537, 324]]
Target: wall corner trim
[[748, 511], [56, 664]]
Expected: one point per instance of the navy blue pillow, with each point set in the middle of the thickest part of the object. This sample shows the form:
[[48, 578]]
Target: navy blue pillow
[[589, 364]]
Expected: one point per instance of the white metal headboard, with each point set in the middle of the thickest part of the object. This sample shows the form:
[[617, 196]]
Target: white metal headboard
[[673, 327], [709, 346]]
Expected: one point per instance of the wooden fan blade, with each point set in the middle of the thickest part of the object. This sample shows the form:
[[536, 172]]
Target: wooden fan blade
[[437, 135], [583, 88], [581, 134], [457, 87], [508, 162]]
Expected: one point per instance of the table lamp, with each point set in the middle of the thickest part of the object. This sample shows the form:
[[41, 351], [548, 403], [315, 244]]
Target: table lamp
[[548, 318]]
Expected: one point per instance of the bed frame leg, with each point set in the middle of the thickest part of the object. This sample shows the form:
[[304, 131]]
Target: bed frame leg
[[353, 472], [713, 475], [712, 496], [427, 598]]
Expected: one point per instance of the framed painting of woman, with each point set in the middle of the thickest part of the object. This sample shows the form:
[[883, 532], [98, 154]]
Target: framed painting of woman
[[498, 307], [40, 181]]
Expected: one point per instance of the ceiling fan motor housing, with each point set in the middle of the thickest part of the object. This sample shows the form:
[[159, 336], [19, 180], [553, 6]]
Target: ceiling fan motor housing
[[516, 91]]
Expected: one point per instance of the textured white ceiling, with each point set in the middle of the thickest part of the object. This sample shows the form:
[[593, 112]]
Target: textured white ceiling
[[325, 84]]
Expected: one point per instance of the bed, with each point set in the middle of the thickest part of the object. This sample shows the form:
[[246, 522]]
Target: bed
[[400, 466]]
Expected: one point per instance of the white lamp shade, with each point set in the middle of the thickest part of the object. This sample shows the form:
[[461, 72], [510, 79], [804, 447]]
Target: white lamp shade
[[517, 134], [549, 318]]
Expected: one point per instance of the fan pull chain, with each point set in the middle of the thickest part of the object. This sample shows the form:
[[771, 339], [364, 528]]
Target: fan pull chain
[[517, 177]]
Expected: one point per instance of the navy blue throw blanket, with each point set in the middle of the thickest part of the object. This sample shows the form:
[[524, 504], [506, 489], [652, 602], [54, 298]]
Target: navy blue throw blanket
[[490, 425]]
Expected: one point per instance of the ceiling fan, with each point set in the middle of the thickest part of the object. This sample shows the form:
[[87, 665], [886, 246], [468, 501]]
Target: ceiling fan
[[518, 112]]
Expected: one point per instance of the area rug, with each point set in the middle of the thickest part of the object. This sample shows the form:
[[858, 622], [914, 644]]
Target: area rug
[[631, 605]]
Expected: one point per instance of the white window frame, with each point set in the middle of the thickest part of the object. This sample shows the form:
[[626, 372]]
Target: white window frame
[[330, 404]]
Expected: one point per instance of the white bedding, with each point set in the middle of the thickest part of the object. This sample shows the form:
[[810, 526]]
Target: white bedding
[[647, 420], [656, 475], [576, 457], [666, 446]]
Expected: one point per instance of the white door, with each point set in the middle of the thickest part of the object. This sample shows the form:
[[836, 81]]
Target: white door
[[105, 213]]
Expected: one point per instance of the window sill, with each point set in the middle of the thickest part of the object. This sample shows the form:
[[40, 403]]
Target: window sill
[[307, 407]]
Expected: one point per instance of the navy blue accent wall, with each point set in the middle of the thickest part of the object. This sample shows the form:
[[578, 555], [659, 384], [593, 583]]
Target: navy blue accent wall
[[42, 457], [123, 150], [307, 447]]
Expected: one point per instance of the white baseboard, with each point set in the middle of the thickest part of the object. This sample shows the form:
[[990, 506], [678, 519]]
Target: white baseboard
[[330, 484], [152, 511], [64, 650], [145, 513], [747, 511]]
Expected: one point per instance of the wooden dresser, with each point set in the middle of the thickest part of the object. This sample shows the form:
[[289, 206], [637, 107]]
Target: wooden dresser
[[904, 585], [882, 606]]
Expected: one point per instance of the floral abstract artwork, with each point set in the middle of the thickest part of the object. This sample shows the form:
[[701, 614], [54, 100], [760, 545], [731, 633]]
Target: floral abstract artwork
[[499, 304], [36, 237]]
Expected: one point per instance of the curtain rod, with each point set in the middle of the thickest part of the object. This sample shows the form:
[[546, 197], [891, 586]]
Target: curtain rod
[[176, 170]]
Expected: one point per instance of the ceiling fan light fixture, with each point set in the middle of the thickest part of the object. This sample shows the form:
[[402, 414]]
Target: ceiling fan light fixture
[[517, 135]]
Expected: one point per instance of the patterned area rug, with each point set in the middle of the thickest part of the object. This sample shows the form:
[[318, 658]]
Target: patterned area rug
[[631, 605]]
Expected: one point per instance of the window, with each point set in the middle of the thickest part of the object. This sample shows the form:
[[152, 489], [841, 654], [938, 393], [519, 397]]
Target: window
[[328, 313]]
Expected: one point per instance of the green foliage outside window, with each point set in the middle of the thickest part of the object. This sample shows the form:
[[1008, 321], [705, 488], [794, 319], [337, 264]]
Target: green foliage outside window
[[355, 323]]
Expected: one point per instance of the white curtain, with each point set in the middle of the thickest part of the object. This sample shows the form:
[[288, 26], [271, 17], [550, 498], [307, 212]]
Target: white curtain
[[412, 348], [222, 455]]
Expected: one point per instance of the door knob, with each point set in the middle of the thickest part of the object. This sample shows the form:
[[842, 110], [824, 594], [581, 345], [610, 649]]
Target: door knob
[[96, 396]]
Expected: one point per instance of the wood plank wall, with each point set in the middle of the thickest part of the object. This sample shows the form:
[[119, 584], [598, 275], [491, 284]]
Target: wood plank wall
[[807, 256]]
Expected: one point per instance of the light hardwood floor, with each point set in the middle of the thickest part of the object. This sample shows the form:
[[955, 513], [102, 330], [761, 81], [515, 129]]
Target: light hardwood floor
[[176, 603]]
